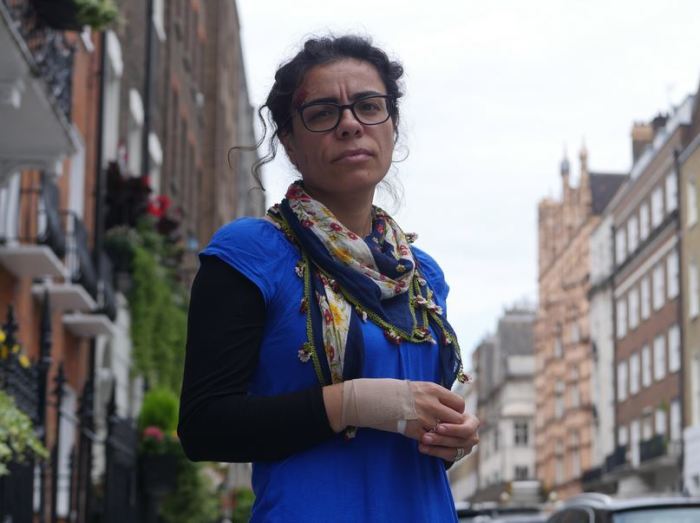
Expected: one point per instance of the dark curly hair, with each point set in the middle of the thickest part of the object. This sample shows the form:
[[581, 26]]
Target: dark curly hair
[[319, 51]]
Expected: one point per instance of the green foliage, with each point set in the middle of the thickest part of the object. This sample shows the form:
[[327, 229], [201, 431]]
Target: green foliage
[[194, 499], [96, 13], [158, 311], [17, 438], [159, 409], [243, 506]]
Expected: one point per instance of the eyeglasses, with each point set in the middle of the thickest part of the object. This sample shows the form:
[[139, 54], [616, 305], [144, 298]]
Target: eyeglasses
[[320, 117]]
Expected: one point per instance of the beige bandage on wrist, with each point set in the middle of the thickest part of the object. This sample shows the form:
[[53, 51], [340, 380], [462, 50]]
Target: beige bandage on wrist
[[377, 403]]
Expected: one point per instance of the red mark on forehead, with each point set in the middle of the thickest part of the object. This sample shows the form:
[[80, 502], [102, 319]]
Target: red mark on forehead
[[299, 98]]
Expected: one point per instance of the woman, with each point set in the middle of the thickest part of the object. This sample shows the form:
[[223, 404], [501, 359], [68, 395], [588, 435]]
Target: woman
[[318, 346]]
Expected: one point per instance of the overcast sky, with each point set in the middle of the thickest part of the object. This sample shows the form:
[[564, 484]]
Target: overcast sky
[[494, 93]]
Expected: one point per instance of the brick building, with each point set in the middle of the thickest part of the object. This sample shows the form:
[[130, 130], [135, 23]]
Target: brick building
[[647, 311], [564, 419]]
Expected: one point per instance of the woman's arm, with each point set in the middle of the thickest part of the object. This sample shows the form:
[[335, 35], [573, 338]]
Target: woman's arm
[[219, 421]]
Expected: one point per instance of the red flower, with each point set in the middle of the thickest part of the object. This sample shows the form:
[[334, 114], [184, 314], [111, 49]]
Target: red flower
[[327, 316], [306, 223], [352, 235], [335, 226], [153, 432]]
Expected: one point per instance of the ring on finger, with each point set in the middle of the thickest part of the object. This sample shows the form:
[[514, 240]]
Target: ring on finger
[[460, 454], [435, 427]]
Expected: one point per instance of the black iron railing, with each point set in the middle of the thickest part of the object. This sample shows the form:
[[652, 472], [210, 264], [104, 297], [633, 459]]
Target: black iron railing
[[78, 258], [592, 475], [109, 297], [51, 52], [652, 448], [616, 458]]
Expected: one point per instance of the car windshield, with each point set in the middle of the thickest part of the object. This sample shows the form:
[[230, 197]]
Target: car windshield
[[659, 515]]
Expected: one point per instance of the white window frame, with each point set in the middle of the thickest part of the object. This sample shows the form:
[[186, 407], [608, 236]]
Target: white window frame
[[622, 381], [660, 422], [634, 373], [671, 192], [632, 234], [633, 308], [674, 349], [645, 298], [643, 221], [113, 74], [646, 366], [657, 207], [692, 202], [623, 435], [675, 420], [659, 357], [659, 287], [620, 246], [693, 289], [672, 276], [621, 318]]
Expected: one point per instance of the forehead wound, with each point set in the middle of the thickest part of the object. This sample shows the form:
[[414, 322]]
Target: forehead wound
[[299, 98]]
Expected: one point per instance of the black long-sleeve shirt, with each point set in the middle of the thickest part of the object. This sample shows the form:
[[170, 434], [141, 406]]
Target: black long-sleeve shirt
[[219, 420]]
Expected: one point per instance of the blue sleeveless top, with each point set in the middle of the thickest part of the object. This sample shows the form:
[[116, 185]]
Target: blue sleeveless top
[[376, 476]]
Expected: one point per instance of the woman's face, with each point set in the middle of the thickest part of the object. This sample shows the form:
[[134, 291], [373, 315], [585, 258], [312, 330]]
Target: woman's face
[[352, 158]]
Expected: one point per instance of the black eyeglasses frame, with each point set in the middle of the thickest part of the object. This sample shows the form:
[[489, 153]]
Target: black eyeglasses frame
[[389, 100]]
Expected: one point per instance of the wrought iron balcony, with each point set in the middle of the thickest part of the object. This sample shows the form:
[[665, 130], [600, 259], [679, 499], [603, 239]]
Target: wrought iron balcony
[[78, 259], [616, 458], [592, 475], [108, 300], [49, 50], [652, 448], [32, 241]]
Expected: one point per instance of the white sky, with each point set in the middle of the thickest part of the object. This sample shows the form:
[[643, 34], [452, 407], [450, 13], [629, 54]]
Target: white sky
[[494, 92]]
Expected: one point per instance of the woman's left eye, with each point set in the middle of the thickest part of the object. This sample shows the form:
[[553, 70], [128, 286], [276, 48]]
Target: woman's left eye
[[369, 106]]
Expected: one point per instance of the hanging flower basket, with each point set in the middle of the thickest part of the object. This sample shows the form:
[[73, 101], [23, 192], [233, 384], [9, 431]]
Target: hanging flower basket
[[73, 15]]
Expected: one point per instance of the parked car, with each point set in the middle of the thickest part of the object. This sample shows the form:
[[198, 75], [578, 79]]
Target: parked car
[[494, 514], [599, 508]]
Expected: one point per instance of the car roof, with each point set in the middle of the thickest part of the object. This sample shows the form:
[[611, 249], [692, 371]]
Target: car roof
[[603, 502]]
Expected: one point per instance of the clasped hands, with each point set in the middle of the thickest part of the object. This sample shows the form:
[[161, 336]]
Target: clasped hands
[[424, 411]]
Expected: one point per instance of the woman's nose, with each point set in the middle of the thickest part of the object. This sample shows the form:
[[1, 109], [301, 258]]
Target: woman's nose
[[348, 125]]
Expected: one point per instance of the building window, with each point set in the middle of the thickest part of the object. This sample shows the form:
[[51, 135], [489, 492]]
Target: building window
[[622, 381], [693, 290], [647, 427], [659, 287], [622, 435], [557, 346], [634, 374], [671, 192], [633, 304], [621, 318], [521, 432], [643, 221], [692, 201], [574, 392], [559, 399], [660, 421], [645, 290], [675, 420], [657, 207], [521, 473], [632, 236], [674, 349], [672, 274], [646, 366], [620, 246], [659, 357]]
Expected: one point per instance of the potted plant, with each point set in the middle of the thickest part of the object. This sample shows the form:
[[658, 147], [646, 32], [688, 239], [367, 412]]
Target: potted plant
[[18, 440], [159, 446]]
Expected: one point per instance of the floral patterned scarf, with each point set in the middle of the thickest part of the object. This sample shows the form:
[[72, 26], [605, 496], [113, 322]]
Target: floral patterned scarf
[[349, 279]]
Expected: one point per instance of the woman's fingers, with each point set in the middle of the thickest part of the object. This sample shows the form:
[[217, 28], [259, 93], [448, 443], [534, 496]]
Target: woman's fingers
[[445, 453], [447, 438], [452, 400]]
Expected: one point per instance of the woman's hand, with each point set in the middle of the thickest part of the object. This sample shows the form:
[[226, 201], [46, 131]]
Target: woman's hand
[[434, 404], [446, 440]]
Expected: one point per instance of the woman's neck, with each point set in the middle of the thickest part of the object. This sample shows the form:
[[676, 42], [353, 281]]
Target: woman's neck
[[355, 213]]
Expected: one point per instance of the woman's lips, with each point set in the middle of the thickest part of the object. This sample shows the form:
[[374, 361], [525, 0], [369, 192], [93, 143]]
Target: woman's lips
[[354, 156]]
